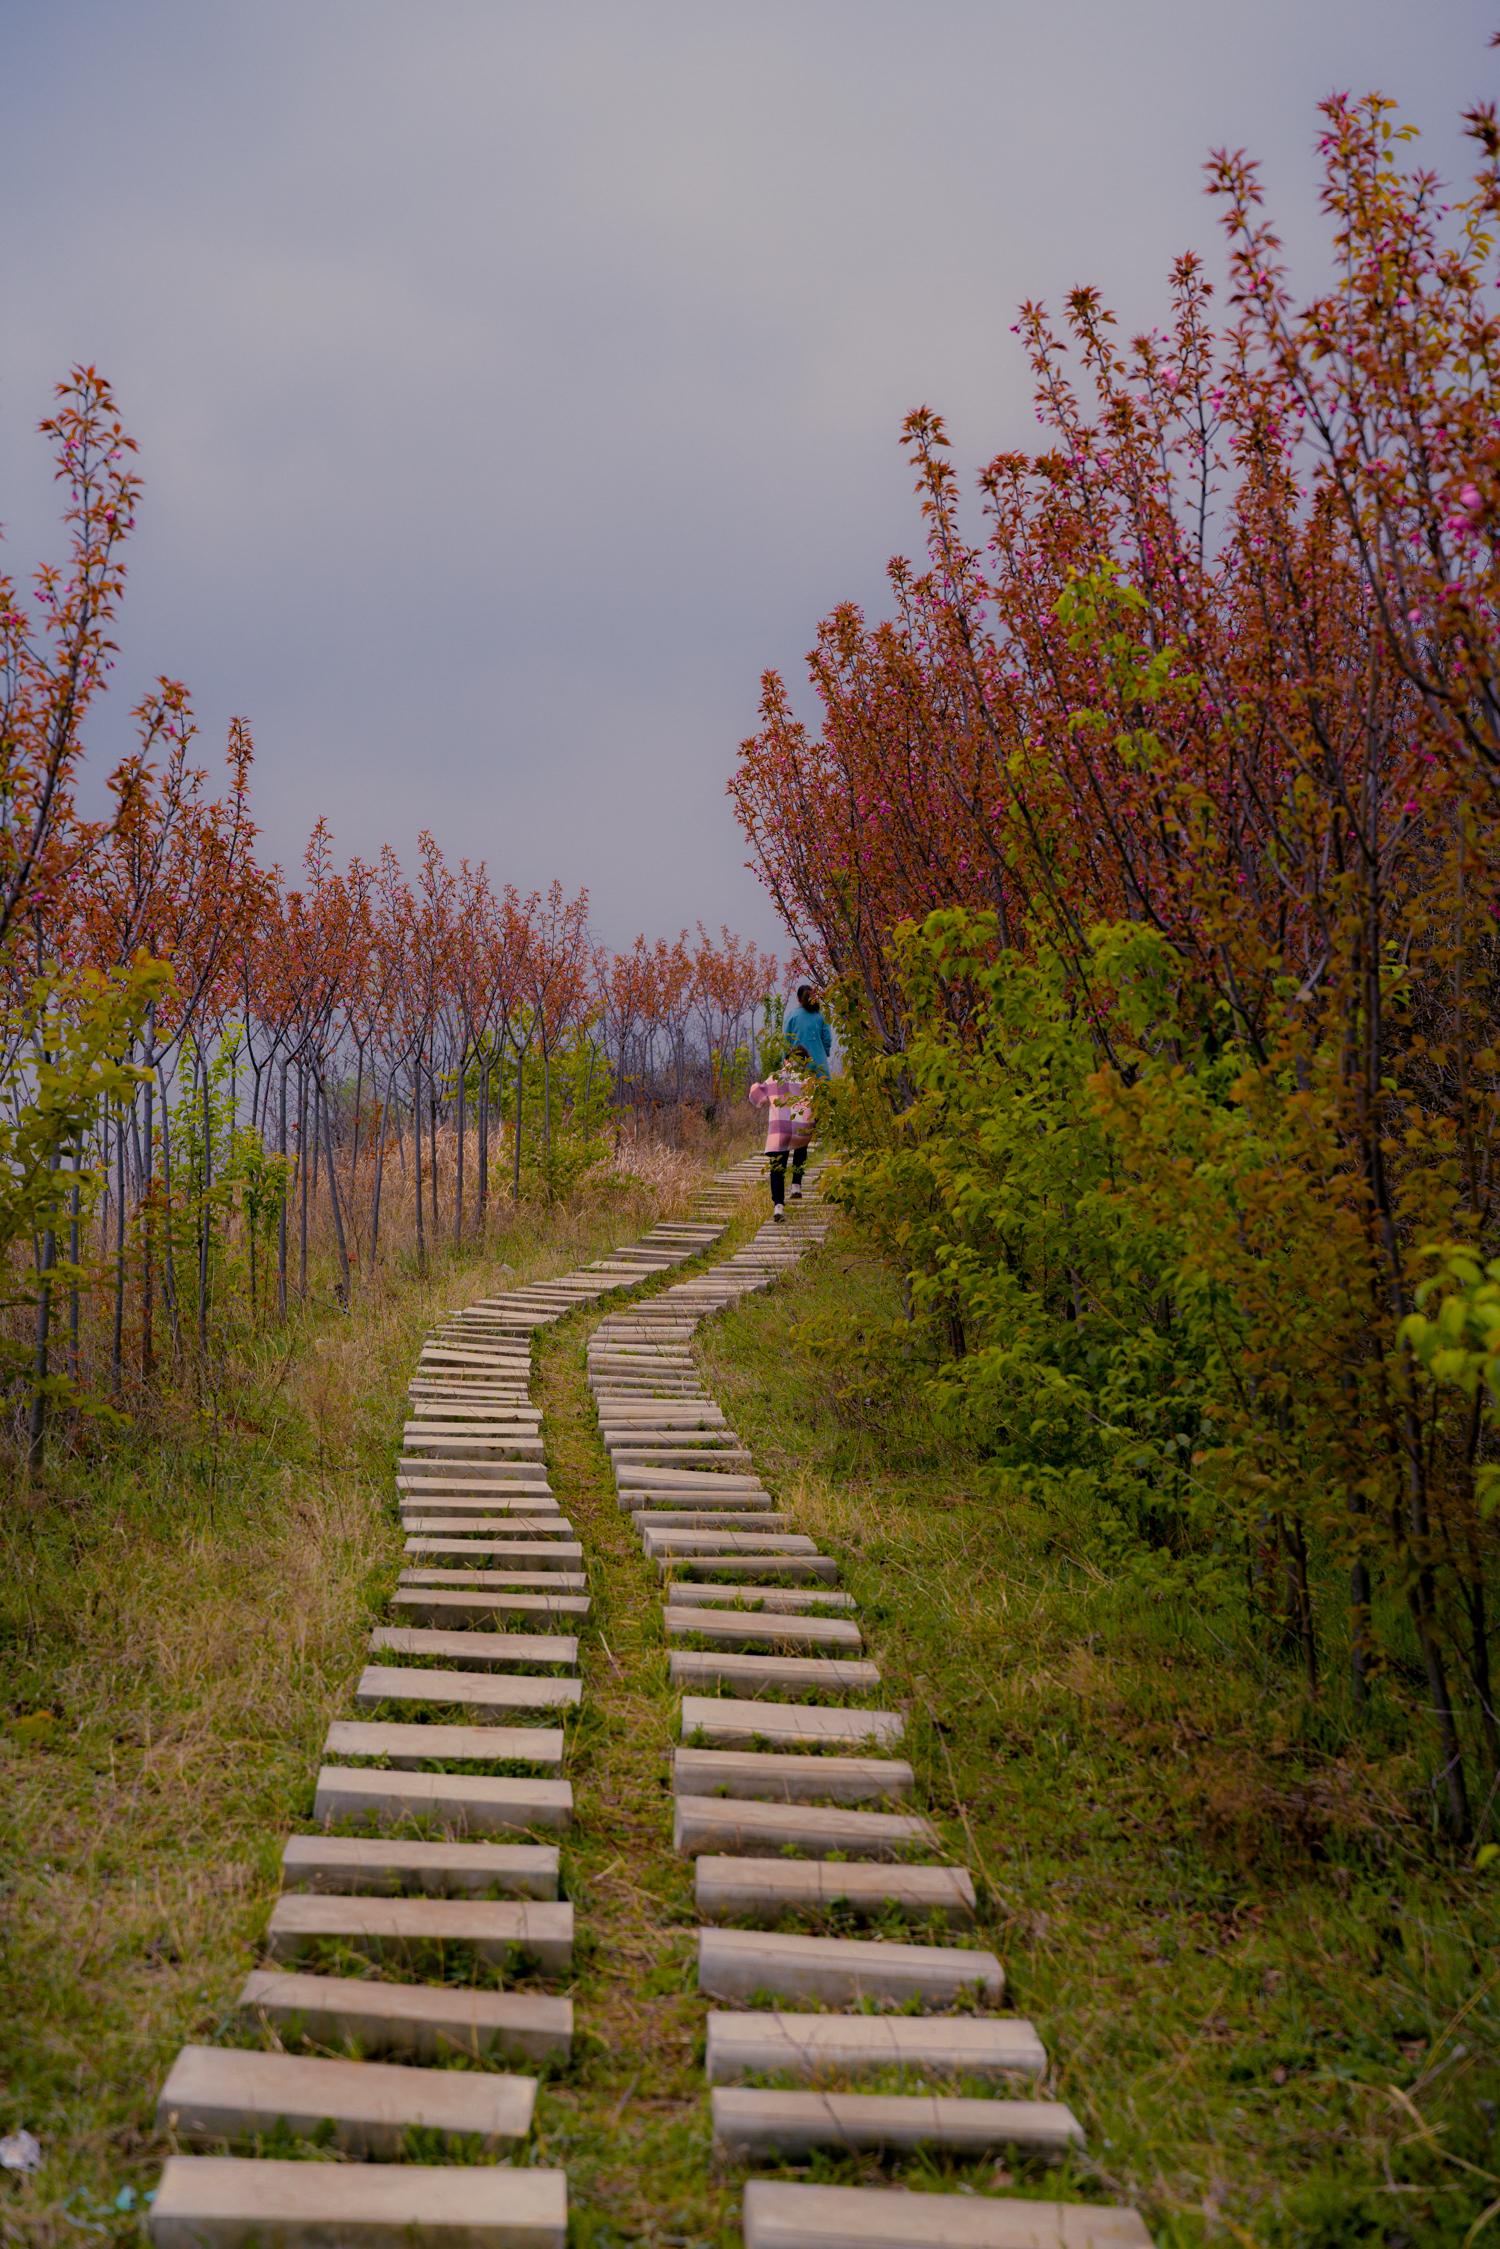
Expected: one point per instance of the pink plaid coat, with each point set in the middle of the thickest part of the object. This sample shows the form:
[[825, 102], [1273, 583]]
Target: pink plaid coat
[[789, 1123]]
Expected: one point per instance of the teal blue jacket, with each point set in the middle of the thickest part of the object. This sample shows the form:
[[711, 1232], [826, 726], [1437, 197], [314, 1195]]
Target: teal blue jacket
[[808, 1027]]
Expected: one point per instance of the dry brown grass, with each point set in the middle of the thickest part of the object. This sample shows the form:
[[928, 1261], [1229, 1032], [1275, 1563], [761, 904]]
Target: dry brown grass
[[181, 1614]]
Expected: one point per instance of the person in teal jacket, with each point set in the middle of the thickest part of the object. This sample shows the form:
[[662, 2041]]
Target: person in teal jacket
[[807, 1027]]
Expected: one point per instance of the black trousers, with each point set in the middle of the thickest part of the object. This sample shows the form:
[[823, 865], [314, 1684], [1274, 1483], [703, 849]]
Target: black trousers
[[778, 1172]]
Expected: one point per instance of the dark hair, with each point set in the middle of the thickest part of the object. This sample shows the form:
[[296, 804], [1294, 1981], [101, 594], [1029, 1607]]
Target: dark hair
[[805, 995]]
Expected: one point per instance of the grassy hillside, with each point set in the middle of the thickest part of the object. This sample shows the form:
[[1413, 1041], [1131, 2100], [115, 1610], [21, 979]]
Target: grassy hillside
[[180, 1616], [1275, 2009]]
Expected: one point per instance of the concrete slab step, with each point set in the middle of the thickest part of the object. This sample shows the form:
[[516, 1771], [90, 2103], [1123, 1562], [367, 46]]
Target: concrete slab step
[[740, 1963], [438, 1605], [393, 1927], [392, 1866], [513, 1553], [688, 1570], [421, 1524], [232, 2093], [791, 1599], [761, 1891], [727, 1508], [753, 2124], [417, 1745], [778, 2215], [727, 1724], [470, 1511], [686, 1543], [478, 1650], [739, 1629], [485, 1694], [820, 2047], [770, 1675], [756, 1518], [497, 1581], [785, 1777], [244, 2202], [748, 1829], [421, 2022], [462, 1439], [466, 1803]]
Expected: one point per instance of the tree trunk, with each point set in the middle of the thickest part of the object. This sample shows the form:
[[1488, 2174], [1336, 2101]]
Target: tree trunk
[[36, 1430], [334, 1197], [281, 1200], [384, 1107], [458, 1182], [205, 1232], [416, 1142], [515, 1191]]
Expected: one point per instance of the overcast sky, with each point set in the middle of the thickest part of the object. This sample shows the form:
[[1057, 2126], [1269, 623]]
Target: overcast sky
[[514, 382]]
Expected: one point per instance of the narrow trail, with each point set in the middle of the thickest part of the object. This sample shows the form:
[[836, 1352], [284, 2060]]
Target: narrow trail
[[616, 1815]]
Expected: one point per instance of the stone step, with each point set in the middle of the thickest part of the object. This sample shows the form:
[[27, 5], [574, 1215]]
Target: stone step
[[465, 1437], [730, 1725], [475, 1650], [778, 2215], [737, 1629], [693, 1543], [421, 1524], [637, 1461], [451, 1487], [230, 2093], [392, 1927], [769, 1675], [739, 1963], [752, 2124], [648, 1519], [475, 1511], [469, 1803], [761, 1891], [416, 1745], [725, 1507], [787, 1778], [790, 1598], [348, 1864], [478, 1691], [692, 1480], [750, 1829], [820, 2047], [247, 2202], [499, 1581], [480, 1473], [685, 1570], [423, 2022], [629, 1421], [520, 1553], [436, 1606]]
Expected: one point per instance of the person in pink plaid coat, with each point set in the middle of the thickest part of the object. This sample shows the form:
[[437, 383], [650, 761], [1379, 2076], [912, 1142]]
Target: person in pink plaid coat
[[786, 1096]]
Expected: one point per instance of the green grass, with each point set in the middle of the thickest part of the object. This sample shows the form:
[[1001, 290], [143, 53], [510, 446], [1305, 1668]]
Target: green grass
[[181, 1614], [1275, 2011], [1262, 1995]]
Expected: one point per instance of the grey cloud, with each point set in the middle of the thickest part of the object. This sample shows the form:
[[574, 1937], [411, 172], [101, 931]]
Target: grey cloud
[[515, 382]]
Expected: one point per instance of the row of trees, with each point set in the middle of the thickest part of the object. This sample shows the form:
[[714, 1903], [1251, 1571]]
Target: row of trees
[[1153, 841], [210, 1075]]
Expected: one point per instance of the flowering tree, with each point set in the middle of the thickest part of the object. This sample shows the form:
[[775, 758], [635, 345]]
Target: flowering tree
[[1187, 768]]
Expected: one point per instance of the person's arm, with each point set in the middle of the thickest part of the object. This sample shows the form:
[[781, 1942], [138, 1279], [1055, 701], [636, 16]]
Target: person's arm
[[826, 1028]]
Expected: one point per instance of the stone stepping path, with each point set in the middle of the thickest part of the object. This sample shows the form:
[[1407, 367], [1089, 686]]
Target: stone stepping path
[[786, 1795], [423, 1870], [779, 2216]]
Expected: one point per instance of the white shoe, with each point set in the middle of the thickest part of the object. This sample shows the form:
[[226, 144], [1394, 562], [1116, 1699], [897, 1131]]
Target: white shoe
[[778, 1216], [796, 1194]]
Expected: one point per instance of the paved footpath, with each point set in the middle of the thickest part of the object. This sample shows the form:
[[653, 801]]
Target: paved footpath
[[410, 1986], [419, 1941], [794, 1803]]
